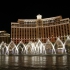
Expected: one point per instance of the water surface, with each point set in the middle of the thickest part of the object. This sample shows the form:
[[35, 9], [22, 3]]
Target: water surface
[[35, 62]]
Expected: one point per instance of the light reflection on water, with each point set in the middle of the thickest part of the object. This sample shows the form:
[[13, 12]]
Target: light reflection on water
[[34, 61]]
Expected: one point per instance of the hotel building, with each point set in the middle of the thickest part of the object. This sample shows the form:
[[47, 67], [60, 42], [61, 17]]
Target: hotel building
[[40, 28], [4, 36]]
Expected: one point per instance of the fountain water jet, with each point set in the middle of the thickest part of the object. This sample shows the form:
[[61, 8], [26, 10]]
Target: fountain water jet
[[59, 46], [49, 47], [21, 49], [3, 48], [36, 48], [67, 45], [12, 48], [40, 48]]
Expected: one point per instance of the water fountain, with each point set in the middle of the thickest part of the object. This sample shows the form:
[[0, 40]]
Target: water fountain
[[59, 46], [49, 47], [40, 48], [67, 45], [21, 49], [36, 48], [3, 48], [12, 49]]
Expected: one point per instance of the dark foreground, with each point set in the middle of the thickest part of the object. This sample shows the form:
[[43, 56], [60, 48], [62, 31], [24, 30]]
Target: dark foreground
[[59, 62]]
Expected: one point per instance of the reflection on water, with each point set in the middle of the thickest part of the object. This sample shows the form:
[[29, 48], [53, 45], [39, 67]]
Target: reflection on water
[[35, 62]]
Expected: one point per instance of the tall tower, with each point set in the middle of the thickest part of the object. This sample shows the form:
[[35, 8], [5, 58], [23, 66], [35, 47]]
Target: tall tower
[[39, 20], [39, 24]]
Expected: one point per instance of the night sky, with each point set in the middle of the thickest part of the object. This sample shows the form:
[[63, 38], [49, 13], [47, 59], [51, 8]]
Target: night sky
[[11, 12]]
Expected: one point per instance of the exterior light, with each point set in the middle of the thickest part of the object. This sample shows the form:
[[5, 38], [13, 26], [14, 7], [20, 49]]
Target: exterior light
[[39, 16]]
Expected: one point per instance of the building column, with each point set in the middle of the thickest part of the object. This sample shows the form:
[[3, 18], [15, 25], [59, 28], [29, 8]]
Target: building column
[[29, 34], [69, 28], [58, 30], [16, 35], [48, 31], [66, 29], [19, 34], [34, 35], [45, 34], [11, 32], [24, 34]]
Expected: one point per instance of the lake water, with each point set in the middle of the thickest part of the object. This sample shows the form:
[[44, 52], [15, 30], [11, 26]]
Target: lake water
[[48, 62]]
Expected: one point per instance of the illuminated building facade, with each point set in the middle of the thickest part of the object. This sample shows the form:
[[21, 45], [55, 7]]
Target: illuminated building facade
[[40, 28], [4, 36]]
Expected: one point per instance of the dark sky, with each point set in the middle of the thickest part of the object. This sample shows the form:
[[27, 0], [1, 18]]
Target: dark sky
[[11, 12]]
